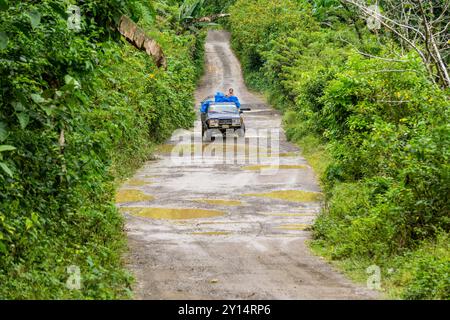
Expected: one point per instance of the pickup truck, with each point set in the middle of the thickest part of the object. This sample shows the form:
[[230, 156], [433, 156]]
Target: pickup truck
[[224, 118]]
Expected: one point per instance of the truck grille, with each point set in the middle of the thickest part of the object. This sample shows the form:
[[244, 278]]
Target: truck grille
[[227, 121]]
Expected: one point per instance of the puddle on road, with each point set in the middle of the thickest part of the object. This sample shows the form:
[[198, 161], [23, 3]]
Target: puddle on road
[[131, 195], [220, 202], [295, 227], [173, 214], [211, 233], [290, 195], [273, 167]]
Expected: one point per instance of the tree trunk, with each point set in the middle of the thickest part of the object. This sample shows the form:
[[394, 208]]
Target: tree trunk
[[140, 40]]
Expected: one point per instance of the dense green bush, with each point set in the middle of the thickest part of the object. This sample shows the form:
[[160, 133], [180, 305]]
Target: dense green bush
[[428, 271], [81, 109], [383, 125], [390, 132]]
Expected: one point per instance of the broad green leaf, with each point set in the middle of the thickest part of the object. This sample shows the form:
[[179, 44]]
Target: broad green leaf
[[35, 18], [6, 148], [90, 261], [18, 106], [3, 131], [6, 169], [3, 40], [49, 110], [28, 223], [37, 98], [3, 247], [24, 119], [34, 217], [69, 80]]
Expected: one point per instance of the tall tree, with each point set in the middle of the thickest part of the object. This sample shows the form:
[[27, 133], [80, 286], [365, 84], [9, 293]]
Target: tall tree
[[418, 24]]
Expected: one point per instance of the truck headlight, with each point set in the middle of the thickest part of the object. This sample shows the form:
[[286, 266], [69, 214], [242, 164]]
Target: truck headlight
[[236, 122], [214, 123]]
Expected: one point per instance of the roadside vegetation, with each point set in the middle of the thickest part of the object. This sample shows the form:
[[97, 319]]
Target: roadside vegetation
[[370, 108], [80, 110]]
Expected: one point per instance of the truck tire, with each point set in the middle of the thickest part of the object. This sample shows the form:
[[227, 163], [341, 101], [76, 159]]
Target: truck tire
[[241, 132], [207, 135]]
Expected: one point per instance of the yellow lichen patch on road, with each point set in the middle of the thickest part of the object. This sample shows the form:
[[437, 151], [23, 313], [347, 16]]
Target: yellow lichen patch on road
[[294, 227], [137, 183], [165, 148], [249, 151], [129, 195], [287, 154], [220, 202], [290, 195], [181, 149], [174, 214], [283, 155], [273, 167], [211, 233]]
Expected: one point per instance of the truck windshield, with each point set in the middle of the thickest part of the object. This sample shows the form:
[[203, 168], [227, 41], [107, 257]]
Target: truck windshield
[[223, 109]]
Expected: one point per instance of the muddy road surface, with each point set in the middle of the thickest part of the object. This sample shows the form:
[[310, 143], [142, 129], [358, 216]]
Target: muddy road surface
[[228, 219]]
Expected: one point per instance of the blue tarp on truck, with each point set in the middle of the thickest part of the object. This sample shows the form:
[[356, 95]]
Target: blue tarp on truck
[[219, 97]]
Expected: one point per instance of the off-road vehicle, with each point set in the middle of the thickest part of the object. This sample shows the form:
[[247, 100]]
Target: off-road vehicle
[[223, 117]]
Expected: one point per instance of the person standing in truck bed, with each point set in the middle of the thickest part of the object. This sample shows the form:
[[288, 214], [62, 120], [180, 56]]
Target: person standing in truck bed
[[232, 98]]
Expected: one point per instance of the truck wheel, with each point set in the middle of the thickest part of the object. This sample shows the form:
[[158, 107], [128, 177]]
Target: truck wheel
[[224, 133], [241, 132], [207, 136]]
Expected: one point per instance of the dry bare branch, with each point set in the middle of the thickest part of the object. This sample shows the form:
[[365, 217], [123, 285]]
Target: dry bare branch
[[414, 24]]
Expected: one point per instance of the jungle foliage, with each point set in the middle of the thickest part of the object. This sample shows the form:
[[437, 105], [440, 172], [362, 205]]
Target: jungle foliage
[[80, 109], [365, 103]]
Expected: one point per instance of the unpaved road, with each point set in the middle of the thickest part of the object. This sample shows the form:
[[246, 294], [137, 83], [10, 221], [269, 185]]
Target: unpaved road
[[254, 248]]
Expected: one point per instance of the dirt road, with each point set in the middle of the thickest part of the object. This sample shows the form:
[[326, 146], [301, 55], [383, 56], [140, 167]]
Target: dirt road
[[201, 227]]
